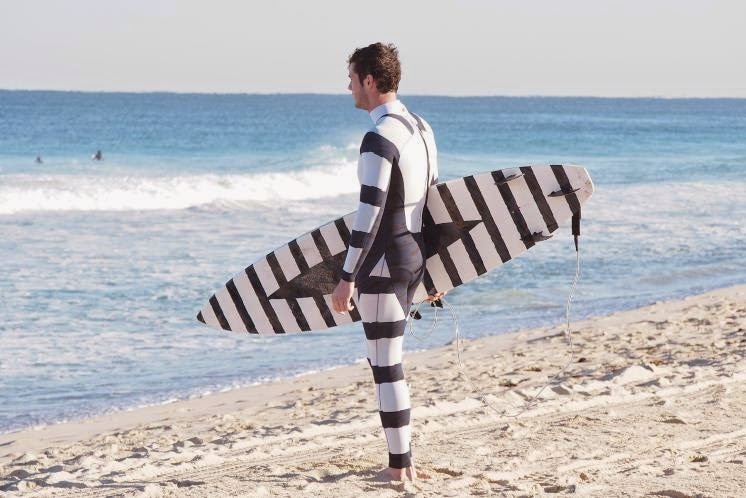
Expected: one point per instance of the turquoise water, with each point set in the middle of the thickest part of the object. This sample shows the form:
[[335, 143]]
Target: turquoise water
[[105, 264]]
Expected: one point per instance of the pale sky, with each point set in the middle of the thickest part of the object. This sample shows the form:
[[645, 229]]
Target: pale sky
[[668, 48]]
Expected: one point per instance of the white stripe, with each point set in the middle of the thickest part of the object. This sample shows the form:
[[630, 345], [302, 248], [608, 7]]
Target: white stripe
[[463, 200], [398, 439], [229, 310], [266, 277], [332, 238], [500, 214], [251, 302], [393, 396], [353, 253], [209, 315], [373, 170], [365, 217], [285, 315], [381, 269], [461, 260], [439, 274], [486, 247], [437, 208], [287, 262], [312, 313], [380, 308], [349, 220], [420, 293], [310, 251], [529, 208], [385, 352]]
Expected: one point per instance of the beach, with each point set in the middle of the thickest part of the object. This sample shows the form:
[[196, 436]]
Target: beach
[[650, 404]]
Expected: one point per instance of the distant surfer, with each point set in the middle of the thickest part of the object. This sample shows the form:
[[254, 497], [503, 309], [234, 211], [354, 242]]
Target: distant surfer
[[98, 156], [39, 160], [385, 261]]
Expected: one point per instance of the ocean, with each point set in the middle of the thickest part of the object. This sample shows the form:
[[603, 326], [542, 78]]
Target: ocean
[[104, 264]]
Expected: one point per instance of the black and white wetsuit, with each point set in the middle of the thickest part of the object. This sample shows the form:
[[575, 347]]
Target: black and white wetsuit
[[385, 257]]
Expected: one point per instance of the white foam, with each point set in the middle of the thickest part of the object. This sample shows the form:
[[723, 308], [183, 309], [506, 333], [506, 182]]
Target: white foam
[[23, 192]]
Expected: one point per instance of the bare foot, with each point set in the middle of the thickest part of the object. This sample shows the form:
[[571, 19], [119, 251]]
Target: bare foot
[[405, 474]]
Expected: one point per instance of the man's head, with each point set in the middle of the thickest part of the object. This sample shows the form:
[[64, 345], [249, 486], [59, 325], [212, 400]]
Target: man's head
[[374, 75]]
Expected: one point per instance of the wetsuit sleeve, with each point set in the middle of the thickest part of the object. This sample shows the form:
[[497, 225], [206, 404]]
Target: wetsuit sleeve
[[377, 155]]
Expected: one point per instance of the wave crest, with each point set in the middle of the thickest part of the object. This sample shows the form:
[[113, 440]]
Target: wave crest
[[21, 193]]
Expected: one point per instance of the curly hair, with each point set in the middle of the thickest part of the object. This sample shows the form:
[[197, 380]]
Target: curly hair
[[380, 61]]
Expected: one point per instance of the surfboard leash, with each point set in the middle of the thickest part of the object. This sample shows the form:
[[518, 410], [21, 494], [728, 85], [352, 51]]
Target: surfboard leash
[[443, 304]]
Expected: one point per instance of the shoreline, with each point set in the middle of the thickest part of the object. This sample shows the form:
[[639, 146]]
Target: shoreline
[[635, 372], [113, 412]]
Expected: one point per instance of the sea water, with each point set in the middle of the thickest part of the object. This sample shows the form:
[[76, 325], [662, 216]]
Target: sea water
[[104, 264]]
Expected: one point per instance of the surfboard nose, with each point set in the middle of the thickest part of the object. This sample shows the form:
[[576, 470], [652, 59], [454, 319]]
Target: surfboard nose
[[201, 318]]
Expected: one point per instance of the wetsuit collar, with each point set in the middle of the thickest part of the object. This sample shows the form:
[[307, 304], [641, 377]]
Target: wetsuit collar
[[393, 107]]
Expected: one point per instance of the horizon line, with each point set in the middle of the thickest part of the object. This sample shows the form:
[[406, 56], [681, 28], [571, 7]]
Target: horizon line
[[331, 94]]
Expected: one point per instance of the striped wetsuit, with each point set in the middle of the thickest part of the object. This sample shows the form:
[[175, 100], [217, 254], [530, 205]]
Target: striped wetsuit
[[385, 257]]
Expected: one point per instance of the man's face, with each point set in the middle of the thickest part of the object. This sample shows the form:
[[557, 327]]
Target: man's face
[[357, 89]]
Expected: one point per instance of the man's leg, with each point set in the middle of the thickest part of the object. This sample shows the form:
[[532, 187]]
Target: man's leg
[[384, 322]]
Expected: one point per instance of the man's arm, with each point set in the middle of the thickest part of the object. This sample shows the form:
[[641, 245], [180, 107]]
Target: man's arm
[[377, 154]]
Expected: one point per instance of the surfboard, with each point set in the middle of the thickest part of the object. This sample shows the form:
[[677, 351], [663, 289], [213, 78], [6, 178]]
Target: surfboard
[[471, 225]]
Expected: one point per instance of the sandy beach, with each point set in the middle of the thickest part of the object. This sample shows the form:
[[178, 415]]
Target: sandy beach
[[651, 405]]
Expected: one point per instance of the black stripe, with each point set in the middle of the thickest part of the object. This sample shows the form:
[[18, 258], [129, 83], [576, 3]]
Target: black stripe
[[357, 238], [402, 461], [344, 232], [489, 222], [561, 175], [402, 120], [380, 146], [326, 313], [201, 318], [394, 420], [300, 260], [240, 307], [276, 268], [355, 314], [445, 258], [372, 195], [384, 330], [429, 284], [541, 201], [300, 318], [453, 211], [384, 375], [219, 313], [318, 238], [455, 214], [420, 124], [262, 295], [515, 212]]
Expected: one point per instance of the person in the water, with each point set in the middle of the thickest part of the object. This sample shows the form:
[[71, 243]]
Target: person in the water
[[98, 156]]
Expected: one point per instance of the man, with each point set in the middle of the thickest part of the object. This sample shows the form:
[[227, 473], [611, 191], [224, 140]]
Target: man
[[385, 257]]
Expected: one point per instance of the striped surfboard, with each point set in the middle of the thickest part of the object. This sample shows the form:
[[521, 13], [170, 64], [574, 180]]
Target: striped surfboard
[[471, 225]]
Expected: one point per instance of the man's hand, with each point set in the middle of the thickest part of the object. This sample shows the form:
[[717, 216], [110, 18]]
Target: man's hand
[[341, 296], [434, 297]]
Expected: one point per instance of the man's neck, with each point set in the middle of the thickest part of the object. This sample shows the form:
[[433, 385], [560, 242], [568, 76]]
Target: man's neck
[[381, 98]]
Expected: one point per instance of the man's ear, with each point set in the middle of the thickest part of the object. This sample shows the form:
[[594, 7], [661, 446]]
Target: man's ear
[[369, 81]]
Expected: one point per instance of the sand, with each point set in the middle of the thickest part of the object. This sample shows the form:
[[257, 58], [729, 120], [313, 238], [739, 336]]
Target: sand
[[651, 405]]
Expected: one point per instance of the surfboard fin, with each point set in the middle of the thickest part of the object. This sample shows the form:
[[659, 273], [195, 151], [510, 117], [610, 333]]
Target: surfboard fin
[[536, 237], [509, 179], [563, 193], [576, 228]]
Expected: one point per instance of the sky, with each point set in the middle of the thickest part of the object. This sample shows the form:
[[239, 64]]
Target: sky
[[658, 48]]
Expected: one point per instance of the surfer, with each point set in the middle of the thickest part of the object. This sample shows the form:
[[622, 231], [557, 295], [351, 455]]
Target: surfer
[[39, 160], [385, 260], [98, 156]]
